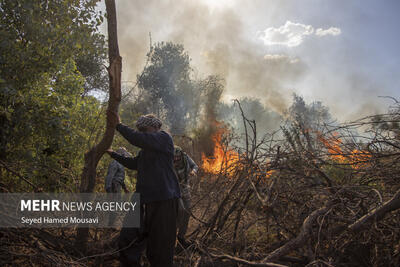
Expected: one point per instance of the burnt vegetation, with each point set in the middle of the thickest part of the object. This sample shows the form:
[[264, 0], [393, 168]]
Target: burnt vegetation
[[315, 195], [291, 189]]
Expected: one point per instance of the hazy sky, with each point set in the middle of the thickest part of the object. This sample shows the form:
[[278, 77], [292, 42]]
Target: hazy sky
[[341, 52]]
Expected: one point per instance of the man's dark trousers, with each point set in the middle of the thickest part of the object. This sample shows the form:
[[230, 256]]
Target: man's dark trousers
[[157, 233]]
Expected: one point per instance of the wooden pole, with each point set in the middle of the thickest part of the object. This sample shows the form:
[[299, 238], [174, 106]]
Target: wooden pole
[[93, 156]]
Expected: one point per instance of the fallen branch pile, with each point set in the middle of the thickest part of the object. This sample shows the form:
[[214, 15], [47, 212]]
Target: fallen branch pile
[[322, 196]]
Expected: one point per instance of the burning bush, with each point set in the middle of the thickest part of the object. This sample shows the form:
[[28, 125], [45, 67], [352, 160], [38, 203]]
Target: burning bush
[[314, 198], [222, 157]]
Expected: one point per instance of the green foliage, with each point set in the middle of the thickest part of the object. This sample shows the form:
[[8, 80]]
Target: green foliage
[[51, 56], [166, 83], [38, 37]]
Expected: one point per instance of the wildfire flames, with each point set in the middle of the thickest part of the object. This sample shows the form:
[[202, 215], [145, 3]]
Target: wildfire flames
[[356, 158], [222, 159]]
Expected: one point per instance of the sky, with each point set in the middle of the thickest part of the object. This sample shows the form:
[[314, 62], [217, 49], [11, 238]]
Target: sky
[[343, 53]]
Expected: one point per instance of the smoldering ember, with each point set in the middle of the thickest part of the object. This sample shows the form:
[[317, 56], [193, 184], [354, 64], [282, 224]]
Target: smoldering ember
[[256, 133]]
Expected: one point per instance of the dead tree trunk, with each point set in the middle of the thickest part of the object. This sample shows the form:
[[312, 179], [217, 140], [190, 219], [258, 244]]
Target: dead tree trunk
[[93, 156]]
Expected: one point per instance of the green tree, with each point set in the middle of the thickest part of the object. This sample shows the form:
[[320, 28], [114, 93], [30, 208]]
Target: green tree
[[167, 87], [51, 56]]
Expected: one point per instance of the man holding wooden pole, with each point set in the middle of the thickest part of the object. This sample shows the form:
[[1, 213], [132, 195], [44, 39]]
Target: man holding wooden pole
[[159, 193]]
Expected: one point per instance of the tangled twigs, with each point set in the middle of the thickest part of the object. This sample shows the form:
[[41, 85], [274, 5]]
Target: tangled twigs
[[378, 213], [250, 263], [265, 207], [237, 259], [34, 247], [301, 239]]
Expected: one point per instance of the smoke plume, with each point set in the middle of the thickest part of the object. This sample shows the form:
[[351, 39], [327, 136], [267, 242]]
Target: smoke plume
[[216, 40]]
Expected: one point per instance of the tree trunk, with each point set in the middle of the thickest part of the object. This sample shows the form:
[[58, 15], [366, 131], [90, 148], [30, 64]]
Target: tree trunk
[[93, 156]]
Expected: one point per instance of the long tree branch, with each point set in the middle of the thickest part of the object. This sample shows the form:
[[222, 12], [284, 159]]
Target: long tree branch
[[246, 262], [17, 174], [301, 239], [378, 213]]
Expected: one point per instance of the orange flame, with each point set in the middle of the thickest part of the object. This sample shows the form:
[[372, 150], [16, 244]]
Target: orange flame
[[333, 145], [222, 159], [269, 173], [356, 158], [359, 158]]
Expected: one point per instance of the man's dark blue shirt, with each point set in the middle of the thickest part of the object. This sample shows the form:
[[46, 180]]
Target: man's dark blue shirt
[[156, 179]]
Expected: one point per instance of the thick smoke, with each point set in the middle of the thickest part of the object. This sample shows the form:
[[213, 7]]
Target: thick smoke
[[226, 41], [216, 40]]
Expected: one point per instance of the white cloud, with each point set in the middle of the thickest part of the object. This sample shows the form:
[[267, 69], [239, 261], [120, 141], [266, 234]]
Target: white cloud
[[331, 31], [290, 34], [293, 34]]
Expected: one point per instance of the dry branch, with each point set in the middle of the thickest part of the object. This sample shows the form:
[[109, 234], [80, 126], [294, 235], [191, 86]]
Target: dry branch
[[378, 213], [246, 262], [18, 175], [301, 239]]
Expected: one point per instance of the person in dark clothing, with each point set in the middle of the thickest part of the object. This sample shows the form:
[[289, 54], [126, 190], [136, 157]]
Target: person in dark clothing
[[159, 193]]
